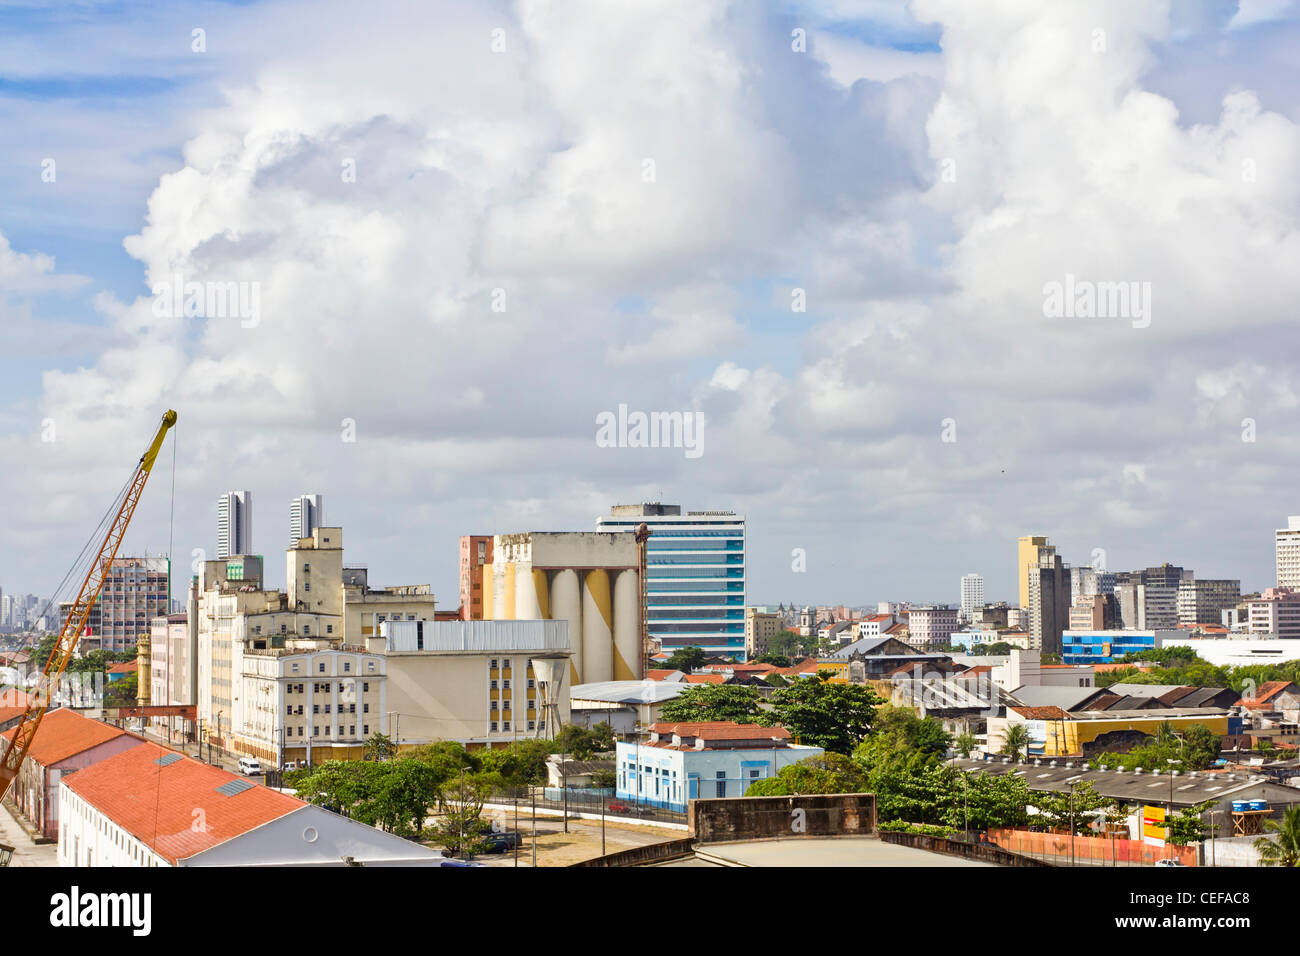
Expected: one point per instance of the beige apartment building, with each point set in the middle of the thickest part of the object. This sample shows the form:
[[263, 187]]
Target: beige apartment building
[[477, 682], [307, 701], [761, 625], [323, 609]]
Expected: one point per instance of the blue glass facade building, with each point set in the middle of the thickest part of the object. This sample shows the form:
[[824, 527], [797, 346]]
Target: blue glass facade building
[[1104, 647], [695, 575]]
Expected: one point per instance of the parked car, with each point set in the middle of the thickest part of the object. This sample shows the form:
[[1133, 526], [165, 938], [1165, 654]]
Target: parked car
[[501, 841], [249, 766], [294, 765], [615, 807], [1168, 863]]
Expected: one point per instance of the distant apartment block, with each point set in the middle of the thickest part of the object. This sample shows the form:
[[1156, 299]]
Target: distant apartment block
[[234, 524], [135, 592], [972, 595], [306, 513], [1203, 600], [1276, 611], [1286, 542], [931, 625], [761, 625]]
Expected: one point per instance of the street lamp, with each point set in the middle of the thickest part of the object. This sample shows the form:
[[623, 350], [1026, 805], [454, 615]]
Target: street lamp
[[1169, 827]]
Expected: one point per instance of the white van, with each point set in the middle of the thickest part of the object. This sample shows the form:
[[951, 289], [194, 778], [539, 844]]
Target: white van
[[249, 766]]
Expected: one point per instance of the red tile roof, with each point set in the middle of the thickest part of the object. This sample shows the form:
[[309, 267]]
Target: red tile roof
[[721, 730], [1266, 692], [64, 733], [705, 679], [13, 703], [659, 673], [124, 667], [158, 805], [1041, 713]]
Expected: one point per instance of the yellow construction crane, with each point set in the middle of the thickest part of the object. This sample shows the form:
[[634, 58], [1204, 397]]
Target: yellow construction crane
[[39, 701]]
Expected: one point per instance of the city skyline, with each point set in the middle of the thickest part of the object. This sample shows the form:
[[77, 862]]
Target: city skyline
[[999, 584]]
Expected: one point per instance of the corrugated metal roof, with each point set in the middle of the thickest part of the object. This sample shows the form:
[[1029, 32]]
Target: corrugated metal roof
[[628, 691], [475, 636]]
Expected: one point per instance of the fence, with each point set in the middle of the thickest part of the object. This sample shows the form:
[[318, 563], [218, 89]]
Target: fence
[[1090, 850], [587, 801]]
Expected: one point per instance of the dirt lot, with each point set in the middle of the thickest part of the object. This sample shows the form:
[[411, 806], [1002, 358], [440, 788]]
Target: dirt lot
[[582, 842]]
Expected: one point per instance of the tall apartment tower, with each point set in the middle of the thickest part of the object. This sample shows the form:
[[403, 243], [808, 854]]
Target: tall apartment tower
[[1286, 543], [1048, 598], [306, 514], [1027, 549], [695, 575], [972, 595], [234, 524]]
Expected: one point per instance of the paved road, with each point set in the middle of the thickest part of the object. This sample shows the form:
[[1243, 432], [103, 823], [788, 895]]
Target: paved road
[[26, 853]]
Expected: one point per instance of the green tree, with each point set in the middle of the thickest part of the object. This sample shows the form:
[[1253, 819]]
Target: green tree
[[702, 702], [784, 644], [122, 692], [1017, 739], [902, 727], [521, 764], [827, 773], [1281, 844], [687, 659], [583, 743], [1054, 808], [379, 747], [965, 743], [835, 717], [776, 660]]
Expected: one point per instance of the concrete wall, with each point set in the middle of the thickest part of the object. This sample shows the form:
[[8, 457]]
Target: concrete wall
[[638, 856], [756, 818], [970, 851]]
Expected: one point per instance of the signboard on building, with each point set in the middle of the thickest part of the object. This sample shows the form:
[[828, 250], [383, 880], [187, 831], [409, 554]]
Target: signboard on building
[[1153, 826], [234, 570]]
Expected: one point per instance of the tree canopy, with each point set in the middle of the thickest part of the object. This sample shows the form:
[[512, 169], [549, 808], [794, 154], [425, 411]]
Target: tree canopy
[[715, 702]]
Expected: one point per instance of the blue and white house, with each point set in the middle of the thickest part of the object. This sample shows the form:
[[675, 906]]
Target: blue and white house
[[684, 761]]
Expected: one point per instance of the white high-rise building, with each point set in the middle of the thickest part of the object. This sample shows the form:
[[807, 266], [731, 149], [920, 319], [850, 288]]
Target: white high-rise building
[[235, 524], [972, 595], [306, 514], [1287, 544]]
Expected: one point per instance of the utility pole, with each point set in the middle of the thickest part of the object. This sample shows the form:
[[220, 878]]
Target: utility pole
[[532, 792]]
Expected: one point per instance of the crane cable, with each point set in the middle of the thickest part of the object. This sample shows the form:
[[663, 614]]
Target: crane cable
[[171, 543]]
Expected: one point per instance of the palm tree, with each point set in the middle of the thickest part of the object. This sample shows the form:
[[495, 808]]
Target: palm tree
[[1285, 850], [1017, 740]]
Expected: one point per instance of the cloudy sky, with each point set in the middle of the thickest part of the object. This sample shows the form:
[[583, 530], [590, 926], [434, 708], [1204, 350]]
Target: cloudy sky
[[829, 228]]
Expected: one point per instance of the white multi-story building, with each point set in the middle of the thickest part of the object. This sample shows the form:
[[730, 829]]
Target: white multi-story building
[[931, 624], [1276, 611], [306, 514], [234, 524], [1286, 542], [972, 595]]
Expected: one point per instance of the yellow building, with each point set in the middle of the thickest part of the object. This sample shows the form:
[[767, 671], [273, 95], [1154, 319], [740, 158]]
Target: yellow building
[[1054, 732], [1027, 553]]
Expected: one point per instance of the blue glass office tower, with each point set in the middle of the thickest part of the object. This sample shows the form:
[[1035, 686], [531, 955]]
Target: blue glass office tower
[[695, 575]]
